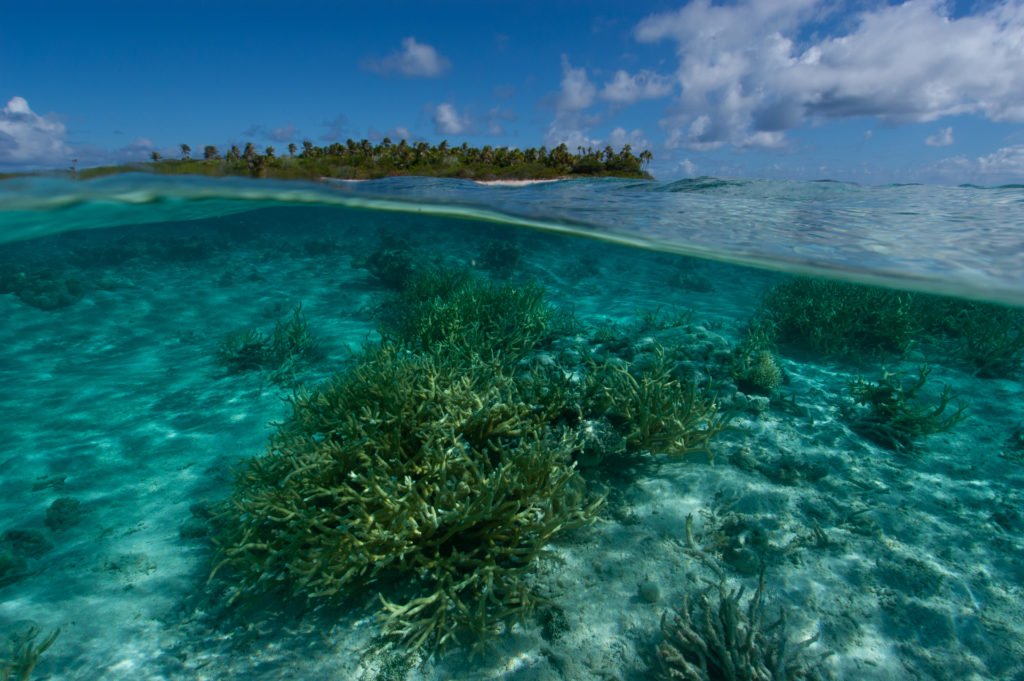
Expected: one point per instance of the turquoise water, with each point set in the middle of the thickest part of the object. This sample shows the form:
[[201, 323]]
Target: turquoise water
[[713, 418]]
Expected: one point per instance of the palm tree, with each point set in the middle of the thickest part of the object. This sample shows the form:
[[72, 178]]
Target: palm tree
[[210, 152], [249, 152], [186, 152], [155, 156], [292, 149], [269, 152]]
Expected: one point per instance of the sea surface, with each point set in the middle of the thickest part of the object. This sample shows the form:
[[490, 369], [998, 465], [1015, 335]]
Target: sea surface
[[780, 422]]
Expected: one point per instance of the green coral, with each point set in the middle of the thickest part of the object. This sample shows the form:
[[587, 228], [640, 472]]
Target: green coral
[[840, 319], [714, 638], [22, 654], [653, 410], [439, 466], [895, 415], [989, 338], [424, 469], [453, 311], [290, 347]]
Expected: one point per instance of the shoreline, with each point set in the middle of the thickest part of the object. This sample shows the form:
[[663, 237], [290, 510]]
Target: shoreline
[[520, 183]]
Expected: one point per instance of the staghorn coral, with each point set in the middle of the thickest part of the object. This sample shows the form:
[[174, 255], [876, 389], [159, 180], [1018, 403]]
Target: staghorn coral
[[291, 346], [654, 411], [713, 638], [757, 373], [894, 417], [839, 319], [463, 314], [426, 469], [22, 654]]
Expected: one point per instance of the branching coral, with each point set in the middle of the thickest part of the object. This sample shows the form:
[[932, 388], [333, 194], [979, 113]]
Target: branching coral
[[895, 418], [453, 310], [713, 638], [652, 409], [426, 469], [837, 318], [291, 345], [22, 655]]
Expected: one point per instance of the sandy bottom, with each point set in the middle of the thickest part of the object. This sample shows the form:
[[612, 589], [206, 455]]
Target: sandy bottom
[[906, 568]]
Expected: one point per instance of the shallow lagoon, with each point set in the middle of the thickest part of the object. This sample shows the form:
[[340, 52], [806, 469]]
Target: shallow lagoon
[[125, 427]]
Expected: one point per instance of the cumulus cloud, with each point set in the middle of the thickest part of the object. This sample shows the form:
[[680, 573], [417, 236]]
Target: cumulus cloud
[[570, 125], [415, 60], [747, 73], [28, 139], [1006, 164], [943, 138], [687, 168], [1001, 166], [577, 91], [619, 138], [626, 89], [447, 120]]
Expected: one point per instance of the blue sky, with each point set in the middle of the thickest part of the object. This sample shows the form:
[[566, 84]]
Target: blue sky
[[871, 92]]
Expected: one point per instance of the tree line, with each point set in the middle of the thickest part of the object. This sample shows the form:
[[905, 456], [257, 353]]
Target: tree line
[[365, 160]]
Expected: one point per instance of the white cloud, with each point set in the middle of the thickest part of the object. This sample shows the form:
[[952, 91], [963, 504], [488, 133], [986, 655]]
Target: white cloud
[[1004, 165], [748, 75], [447, 120], [626, 89], [570, 125], [687, 167], [1008, 161], [577, 90], [619, 138], [28, 139], [415, 60], [943, 138]]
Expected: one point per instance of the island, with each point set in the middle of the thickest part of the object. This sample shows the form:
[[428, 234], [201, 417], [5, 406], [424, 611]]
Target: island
[[365, 160]]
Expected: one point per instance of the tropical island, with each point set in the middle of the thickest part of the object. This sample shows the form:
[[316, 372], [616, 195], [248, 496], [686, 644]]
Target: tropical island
[[365, 160]]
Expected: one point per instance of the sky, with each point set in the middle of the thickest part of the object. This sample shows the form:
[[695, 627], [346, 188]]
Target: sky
[[870, 92]]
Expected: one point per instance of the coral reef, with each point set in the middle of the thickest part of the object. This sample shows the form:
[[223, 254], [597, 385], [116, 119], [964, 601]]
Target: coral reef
[[425, 469], [42, 288], [653, 410], [438, 467], [286, 351], [989, 338], [453, 311], [840, 319], [895, 417], [714, 638]]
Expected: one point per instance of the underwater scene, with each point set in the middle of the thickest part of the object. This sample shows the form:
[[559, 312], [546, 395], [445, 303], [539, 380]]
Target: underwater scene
[[420, 429]]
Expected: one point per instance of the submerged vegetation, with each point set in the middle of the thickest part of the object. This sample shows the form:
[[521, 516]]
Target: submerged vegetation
[[364, 160]]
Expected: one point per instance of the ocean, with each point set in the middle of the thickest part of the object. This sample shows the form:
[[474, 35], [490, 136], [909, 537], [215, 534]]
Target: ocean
[[435, 429]]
